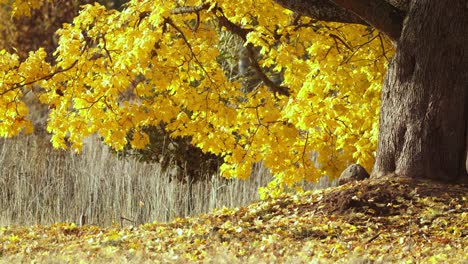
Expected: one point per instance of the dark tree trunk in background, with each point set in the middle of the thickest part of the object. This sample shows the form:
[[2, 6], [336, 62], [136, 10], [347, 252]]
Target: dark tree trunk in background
[[190, 196], [423, 119]]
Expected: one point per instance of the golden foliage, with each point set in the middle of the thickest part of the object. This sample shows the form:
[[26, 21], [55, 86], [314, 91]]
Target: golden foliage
[[158, 62]]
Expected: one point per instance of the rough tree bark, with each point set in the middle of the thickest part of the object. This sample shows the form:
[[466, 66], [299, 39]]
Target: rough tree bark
[[425, 95], [424, 112]]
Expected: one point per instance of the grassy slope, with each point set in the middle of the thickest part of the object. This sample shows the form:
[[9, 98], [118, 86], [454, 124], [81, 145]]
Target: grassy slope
[[382, 220]]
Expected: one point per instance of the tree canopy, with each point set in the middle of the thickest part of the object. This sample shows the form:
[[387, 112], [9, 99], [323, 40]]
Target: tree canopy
[[116, 73]]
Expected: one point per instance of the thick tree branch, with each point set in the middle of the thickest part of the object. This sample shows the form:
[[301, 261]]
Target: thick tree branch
[[377, 13], [324, 10], [242, 33], [385, 15], [402, 5], [190, 9]]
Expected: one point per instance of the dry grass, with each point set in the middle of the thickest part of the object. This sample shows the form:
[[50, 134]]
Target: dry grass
[[40, 185]]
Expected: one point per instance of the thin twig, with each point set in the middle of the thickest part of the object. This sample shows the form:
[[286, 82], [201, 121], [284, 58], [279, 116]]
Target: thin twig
[[46, 77]]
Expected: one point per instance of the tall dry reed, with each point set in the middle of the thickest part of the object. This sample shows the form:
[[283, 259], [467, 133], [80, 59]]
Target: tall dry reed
[[41, 185]]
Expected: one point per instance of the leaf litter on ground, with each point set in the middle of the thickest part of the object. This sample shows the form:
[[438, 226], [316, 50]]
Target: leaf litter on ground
[[377, 220]]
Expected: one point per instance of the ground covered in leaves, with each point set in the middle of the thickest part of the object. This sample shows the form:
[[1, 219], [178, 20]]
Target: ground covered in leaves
[[385, 220]]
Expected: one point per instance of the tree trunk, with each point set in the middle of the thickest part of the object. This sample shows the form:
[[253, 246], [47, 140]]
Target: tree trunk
[[424, 112]]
